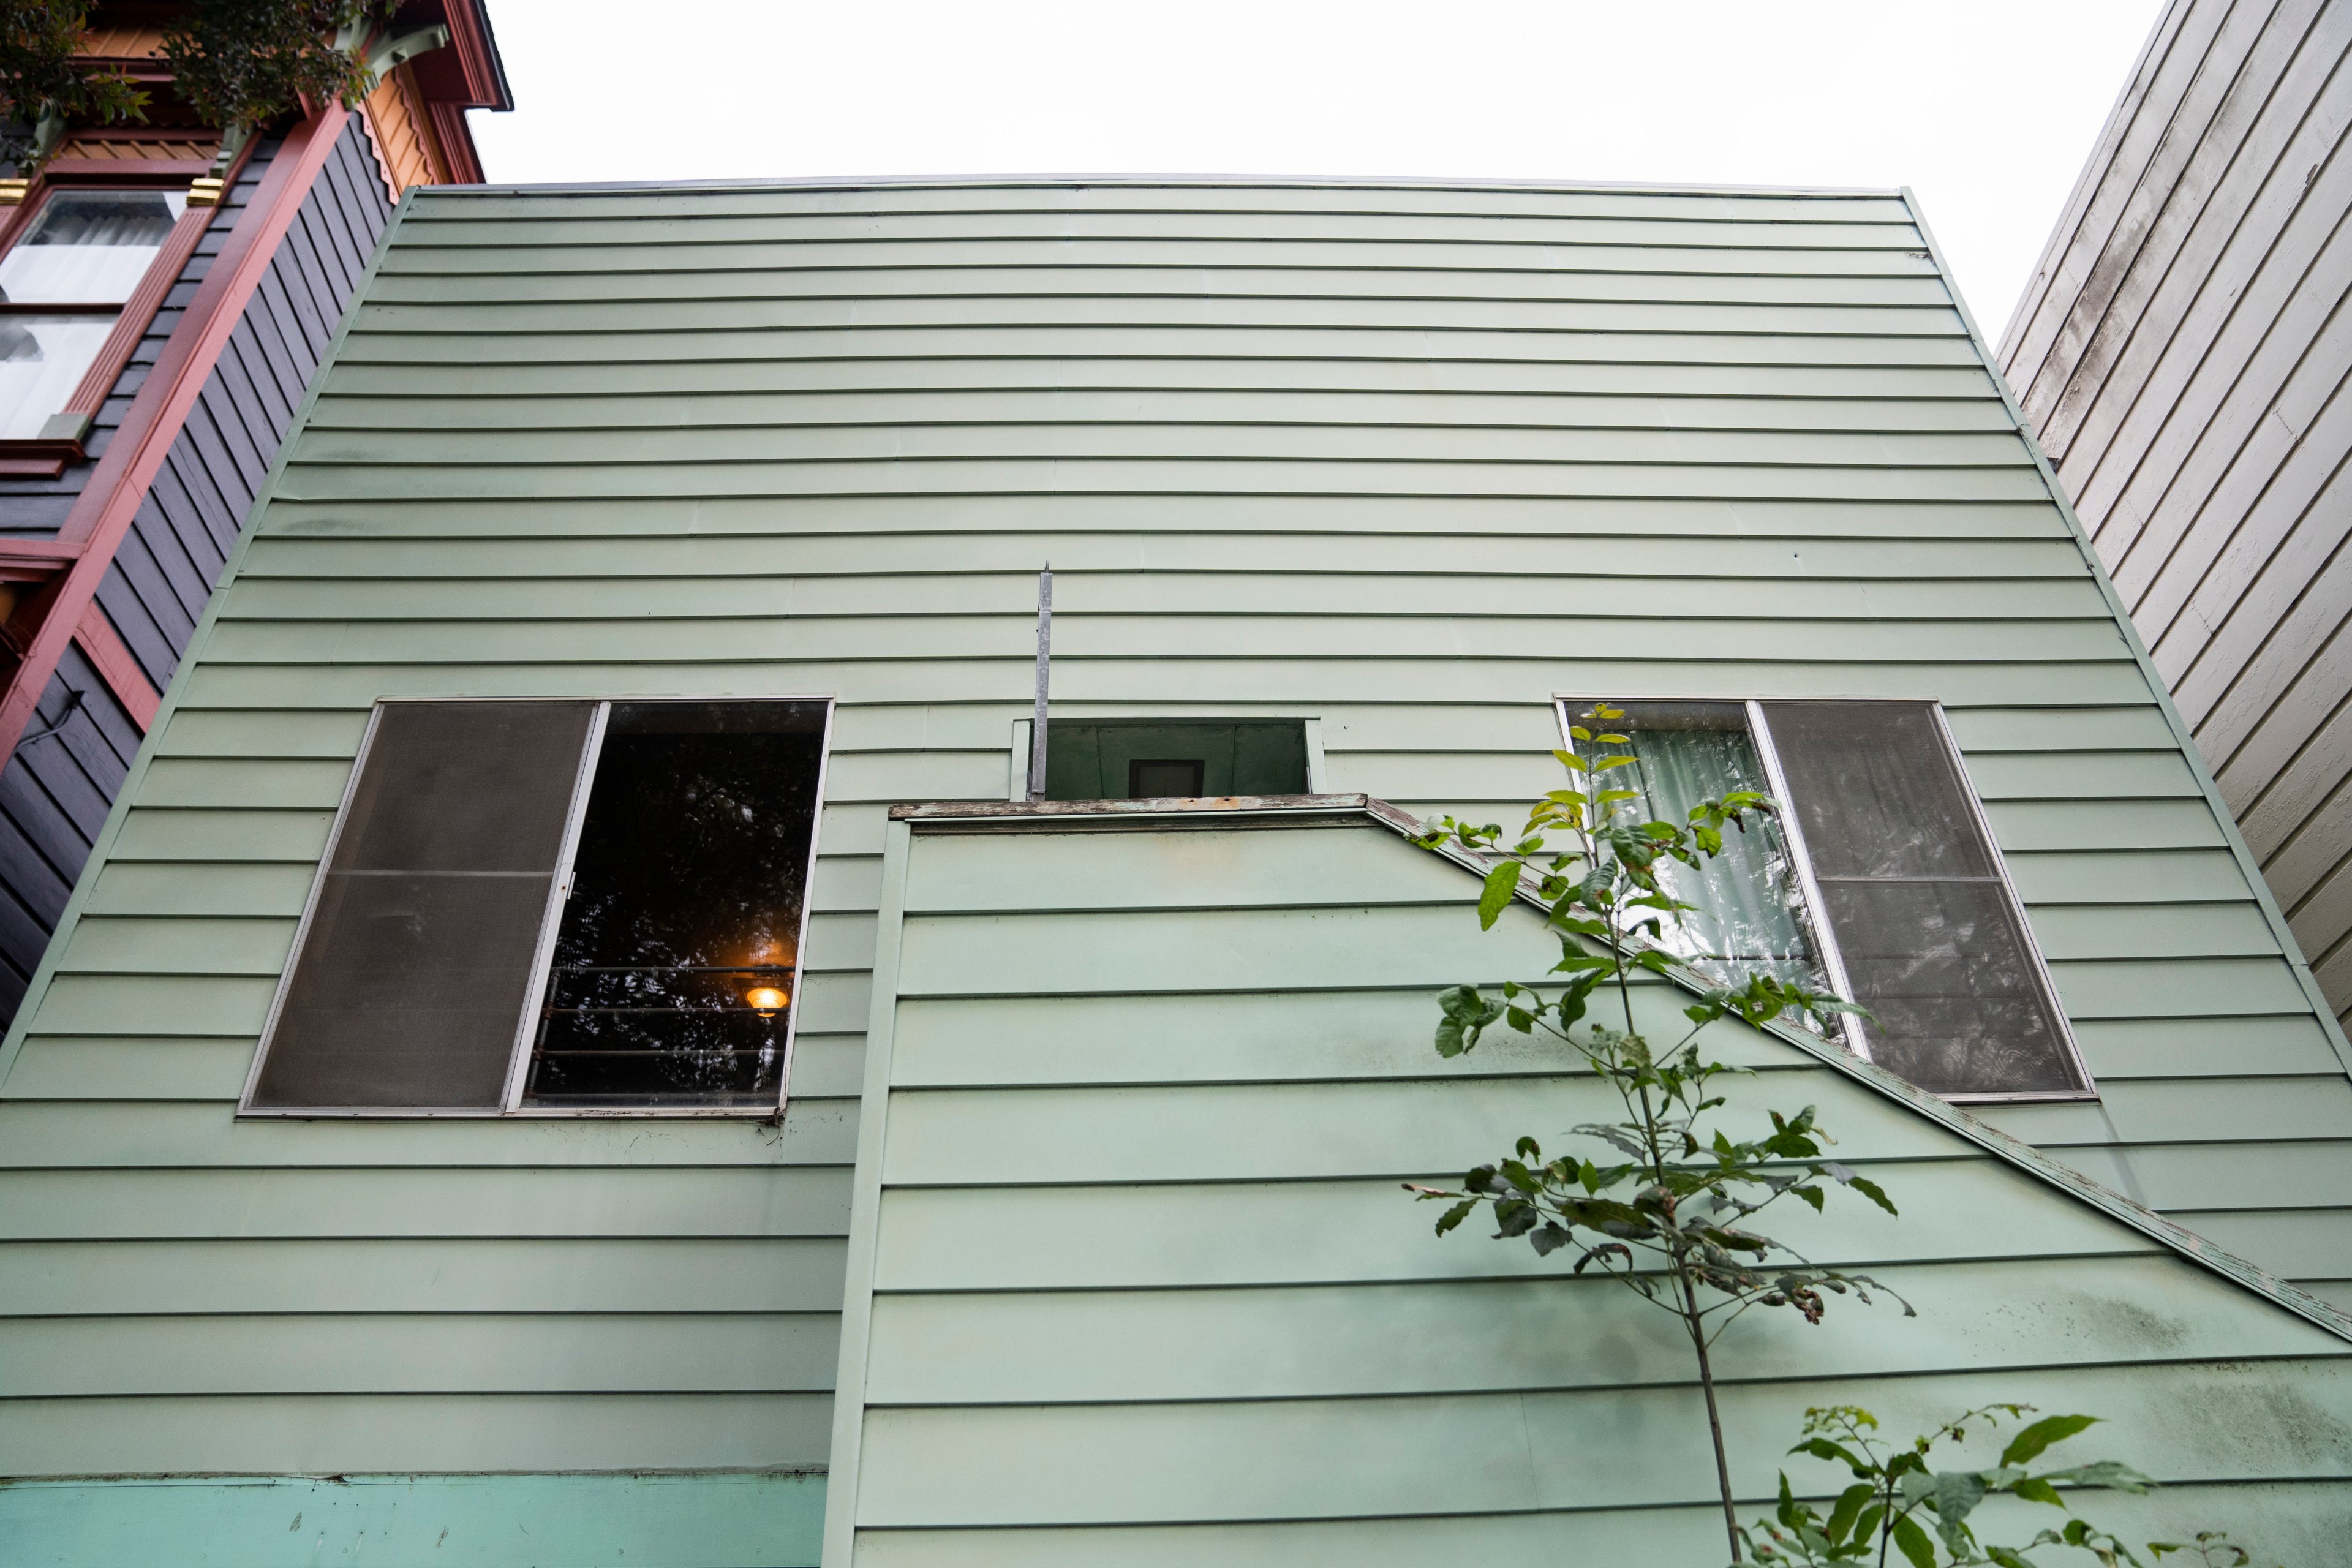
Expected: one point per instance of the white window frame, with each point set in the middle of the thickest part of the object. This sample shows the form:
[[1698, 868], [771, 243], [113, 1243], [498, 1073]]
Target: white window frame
[[1825, 943], [511, 1106]]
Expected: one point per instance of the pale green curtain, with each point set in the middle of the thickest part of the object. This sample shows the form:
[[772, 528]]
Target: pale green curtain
[[1750, 915]]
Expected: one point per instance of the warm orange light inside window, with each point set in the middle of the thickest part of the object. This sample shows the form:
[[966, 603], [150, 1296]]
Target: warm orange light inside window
[[765, 999]]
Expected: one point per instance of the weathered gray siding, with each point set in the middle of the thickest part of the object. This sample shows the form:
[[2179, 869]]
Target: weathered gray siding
[[1285, 445], [2180, 352]]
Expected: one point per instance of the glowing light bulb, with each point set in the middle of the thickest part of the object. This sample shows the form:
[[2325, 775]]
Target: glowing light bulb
[[765, 999]]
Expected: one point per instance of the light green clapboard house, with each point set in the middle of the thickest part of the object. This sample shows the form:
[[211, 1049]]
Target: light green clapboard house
[[522, 1148]]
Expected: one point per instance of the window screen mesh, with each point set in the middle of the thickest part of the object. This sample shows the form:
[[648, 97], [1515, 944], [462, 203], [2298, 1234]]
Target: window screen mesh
[[1932, 941], [411, 981]]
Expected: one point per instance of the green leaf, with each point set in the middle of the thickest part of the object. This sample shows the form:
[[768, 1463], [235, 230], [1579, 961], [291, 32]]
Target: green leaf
[[1502, 884], [1835, 1453], [1958, 1492], [1874, 1192], [2029, 1444], [1849, 1504], [1913, 1543], [1456, 1216], [2107, 1473], [1466, 1013]]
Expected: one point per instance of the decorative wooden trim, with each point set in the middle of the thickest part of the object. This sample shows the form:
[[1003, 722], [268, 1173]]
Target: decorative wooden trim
[[122, 171], [376, 146], [102, 44], [113, 659], [402, 134], [46, 552], [456, 143], [103, 512], [469, 32]]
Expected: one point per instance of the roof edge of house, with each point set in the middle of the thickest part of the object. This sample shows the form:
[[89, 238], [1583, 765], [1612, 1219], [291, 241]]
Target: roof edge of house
[[1238, 182]]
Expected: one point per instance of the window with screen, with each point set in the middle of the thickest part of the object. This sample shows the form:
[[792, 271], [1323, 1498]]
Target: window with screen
[[555, 907], [62, 285], [1879, 883]]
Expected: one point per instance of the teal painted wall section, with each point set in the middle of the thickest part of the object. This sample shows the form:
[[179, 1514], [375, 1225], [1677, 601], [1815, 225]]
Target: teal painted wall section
[[1278, 440], [1144, 1288], [740, 1520]]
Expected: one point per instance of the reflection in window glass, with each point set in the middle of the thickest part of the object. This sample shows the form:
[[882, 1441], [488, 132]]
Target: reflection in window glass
[[42, 360], [1749, 917], [675, 960], [89, 248]]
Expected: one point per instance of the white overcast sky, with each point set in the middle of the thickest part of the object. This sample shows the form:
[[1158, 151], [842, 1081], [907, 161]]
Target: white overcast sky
[[1985, 108]]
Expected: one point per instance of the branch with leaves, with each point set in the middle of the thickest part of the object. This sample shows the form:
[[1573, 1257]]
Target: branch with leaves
[[1899, 1501], [1668, 1212], [43, 85], [243, 63]]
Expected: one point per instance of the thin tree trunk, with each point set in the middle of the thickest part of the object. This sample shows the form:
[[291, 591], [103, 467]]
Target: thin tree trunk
[[1713, 1420]]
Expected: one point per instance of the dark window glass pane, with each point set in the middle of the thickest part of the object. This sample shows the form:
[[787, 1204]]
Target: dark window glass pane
[[1163, 779], [675, 962], [1933, 942], [412, 979], [1089, 759]]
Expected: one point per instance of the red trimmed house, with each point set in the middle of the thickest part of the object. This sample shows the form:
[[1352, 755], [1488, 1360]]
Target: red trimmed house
[[164, 301]]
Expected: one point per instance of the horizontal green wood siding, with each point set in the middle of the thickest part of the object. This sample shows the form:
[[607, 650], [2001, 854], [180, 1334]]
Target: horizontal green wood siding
[[1280, 444], [1139, 1271]]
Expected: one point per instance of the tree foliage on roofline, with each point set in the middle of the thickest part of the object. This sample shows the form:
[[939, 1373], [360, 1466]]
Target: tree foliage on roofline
[[243, 63], [42, 85], [239, 64]]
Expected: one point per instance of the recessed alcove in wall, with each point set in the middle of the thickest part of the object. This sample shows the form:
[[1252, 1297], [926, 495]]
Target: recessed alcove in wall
[[1144, 758]]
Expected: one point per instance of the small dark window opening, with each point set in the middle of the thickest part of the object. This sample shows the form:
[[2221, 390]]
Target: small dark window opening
[[1153, 759], [677, 960], [1164, 778]]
